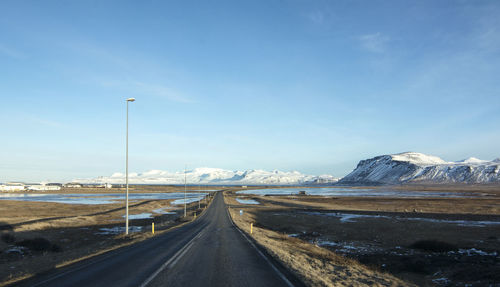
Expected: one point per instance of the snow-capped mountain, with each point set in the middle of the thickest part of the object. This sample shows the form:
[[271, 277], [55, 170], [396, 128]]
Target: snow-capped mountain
[[412, 167], [216, 176]]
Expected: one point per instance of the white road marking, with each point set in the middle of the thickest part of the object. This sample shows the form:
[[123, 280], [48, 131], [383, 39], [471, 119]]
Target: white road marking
[[172, 259]]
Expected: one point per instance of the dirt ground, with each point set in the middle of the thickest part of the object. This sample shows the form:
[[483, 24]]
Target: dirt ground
[[423, 241], [39, 236]]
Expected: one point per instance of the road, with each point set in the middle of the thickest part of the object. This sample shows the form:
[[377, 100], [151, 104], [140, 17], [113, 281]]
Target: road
[[209, 251]]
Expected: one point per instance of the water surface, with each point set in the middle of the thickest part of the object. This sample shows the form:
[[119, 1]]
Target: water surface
[[100, 198], [353, 192]]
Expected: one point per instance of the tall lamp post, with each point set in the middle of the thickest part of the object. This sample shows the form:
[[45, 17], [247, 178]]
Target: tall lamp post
[[126, 173]]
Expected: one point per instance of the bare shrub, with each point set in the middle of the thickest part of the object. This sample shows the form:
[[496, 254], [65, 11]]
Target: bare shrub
[[8, 238], [434, 246], [39, 244]]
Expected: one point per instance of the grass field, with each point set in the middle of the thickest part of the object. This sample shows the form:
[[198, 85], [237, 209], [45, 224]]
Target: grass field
[[423, 241], [328, 241], [39, 236]]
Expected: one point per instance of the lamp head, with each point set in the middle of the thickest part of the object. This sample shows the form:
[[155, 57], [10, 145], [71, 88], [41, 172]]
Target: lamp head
[[130, 99]]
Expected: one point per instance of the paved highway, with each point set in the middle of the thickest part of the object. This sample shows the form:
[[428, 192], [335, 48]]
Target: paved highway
[[210, 251]]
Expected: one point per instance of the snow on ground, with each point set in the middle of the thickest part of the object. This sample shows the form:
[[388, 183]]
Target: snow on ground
[[247, 201], [163, 210], [118, 230], [138, 216], [187, 201], [350, 217]]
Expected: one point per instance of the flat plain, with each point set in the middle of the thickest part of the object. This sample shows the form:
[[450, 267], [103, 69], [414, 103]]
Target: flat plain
[[39, 236], [426, 241], [327, 240]]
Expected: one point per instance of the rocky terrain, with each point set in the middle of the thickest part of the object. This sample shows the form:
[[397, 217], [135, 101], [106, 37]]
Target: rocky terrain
[[412, 167]]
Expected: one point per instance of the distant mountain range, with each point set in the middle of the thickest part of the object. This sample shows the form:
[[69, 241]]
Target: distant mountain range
[[216, 176], [408, 167], [412, 167]]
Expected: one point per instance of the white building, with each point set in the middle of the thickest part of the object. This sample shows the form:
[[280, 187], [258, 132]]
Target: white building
[[42, 187], [73, 185], [12, 187]]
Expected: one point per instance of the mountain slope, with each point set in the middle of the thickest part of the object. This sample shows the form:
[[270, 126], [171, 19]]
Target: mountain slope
[[412, 167], [216, 176]]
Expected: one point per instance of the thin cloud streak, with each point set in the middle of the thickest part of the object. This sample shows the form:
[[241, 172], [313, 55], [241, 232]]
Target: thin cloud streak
[[375, 43], [11, 52], [147, 89]]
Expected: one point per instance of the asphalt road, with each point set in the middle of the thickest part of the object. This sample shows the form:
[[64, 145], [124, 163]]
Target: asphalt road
[[210, 251]]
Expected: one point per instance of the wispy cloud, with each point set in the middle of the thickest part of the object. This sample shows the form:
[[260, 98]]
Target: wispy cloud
[[375, 43], [317, 17], [162, 91], [11, 52]]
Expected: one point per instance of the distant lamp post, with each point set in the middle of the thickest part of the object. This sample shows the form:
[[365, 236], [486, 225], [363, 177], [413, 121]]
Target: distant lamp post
[[126, 172], [185, 199]]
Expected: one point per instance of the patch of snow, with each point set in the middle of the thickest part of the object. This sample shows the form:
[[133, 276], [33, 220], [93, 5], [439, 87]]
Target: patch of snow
[[118, 230], [472, 160], [138, 216], [481, 223], [474, 251], [347, 217], [441, 281], [187, 201], [162, 210], [350, 217], [417, 158], [247, 201], [16, 249]]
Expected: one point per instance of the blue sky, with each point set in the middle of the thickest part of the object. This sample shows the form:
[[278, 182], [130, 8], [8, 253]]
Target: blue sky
[[313, 86]]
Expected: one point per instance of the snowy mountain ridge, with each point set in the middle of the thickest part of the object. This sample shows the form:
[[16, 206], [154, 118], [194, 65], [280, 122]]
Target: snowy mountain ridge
[[206, 175], [412, 167]]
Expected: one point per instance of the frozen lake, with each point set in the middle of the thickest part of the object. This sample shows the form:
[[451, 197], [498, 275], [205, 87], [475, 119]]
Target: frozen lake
[[101, 198], [347, 191]]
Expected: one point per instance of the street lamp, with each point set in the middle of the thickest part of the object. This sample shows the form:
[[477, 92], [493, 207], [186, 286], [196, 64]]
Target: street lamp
[[185, 200], [126, 173]]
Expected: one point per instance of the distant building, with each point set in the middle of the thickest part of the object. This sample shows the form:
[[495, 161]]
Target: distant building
[[42, 187], [73, 185], [12, 186], [54, 184]]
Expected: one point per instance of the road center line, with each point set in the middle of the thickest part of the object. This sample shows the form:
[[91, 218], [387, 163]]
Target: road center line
[[172, 259]]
